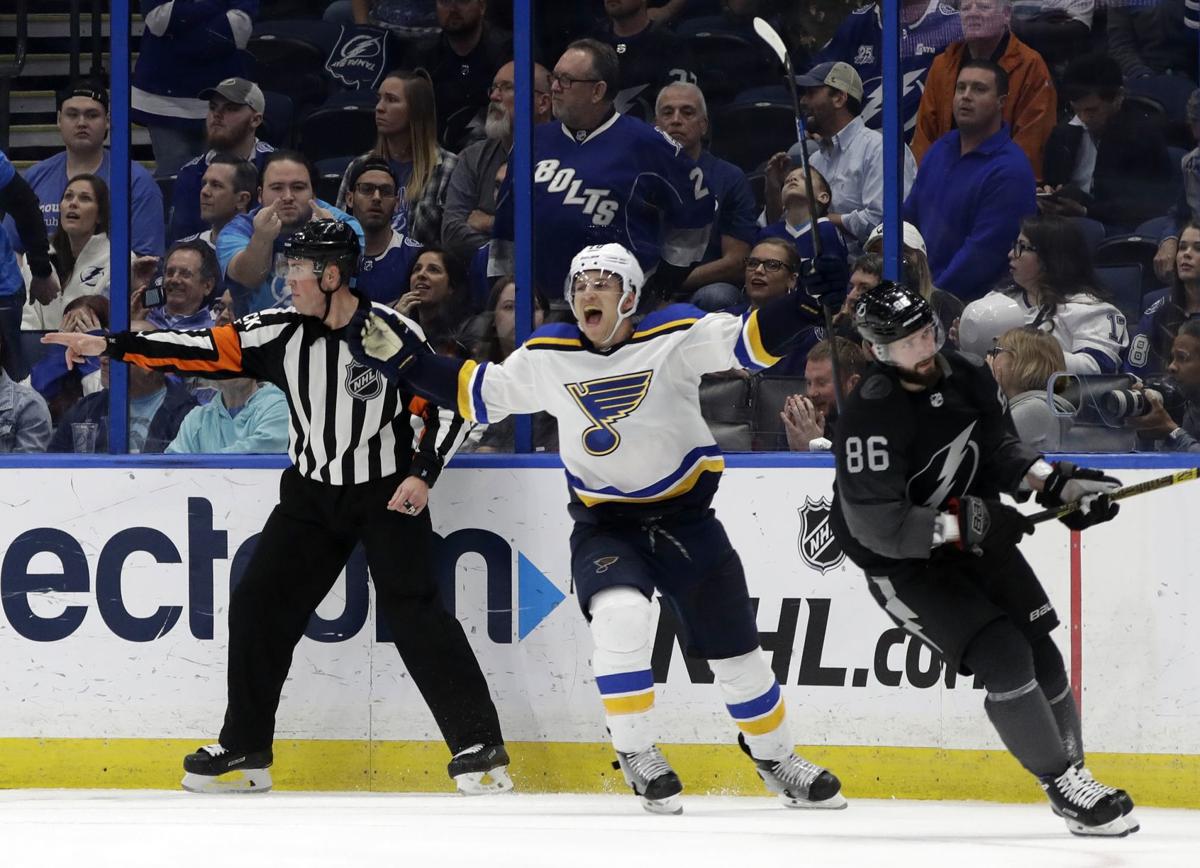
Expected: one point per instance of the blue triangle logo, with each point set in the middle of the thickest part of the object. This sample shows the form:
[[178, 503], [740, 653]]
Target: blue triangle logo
[[537, 596]]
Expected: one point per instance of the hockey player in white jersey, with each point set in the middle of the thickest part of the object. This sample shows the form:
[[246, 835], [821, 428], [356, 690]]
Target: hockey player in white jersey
[[642, 468]]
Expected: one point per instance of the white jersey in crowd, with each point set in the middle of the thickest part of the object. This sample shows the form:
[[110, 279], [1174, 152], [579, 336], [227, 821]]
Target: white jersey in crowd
[[90, 277], [629, 423], [1093, 333]]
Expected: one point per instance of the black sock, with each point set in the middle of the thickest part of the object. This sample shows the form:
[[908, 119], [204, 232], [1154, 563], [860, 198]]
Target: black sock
[[1027, 726]]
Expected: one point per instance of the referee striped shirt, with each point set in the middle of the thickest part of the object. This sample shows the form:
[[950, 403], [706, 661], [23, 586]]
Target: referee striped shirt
[[347, 424]]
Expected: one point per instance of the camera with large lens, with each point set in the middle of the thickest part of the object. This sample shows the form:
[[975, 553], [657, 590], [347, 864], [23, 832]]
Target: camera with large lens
[[1132, 403]]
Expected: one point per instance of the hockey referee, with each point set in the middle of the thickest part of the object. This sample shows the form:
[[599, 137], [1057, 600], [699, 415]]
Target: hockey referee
[[360, 473]]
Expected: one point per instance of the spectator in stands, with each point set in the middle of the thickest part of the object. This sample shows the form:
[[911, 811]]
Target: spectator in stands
[[1167, 310], [800, 207], [600, 176], [185, 48], [406, 18], [191, 276], [734, 16], [866, 272], [235, 112], [1106, 163], [917, 275], [974, 187], [157, 407], [24, 417], [850, 156], [1055, 289], [18, 200], [471, 195], [1187, 207], [682, 113], [248, 245], [808, 419], [1159, 426], [244, 416], [388, 257], [79, 251], [927, 27], [227, 190], [406, 123], [649, 57], [83, 124], [1148, 39], [1031, 103], [771, 271], [461, 60], [438, 299], [1022, 361], [62, 387], [498, 340], [1055, 29]]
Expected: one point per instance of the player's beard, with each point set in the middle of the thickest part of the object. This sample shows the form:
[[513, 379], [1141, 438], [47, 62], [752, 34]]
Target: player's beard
[[924, 379]]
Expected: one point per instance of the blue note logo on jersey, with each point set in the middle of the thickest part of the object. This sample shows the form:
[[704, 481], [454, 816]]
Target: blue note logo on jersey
[[606, 401]]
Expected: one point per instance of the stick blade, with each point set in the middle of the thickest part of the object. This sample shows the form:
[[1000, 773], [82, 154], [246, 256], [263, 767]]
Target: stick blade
[[768, 35]]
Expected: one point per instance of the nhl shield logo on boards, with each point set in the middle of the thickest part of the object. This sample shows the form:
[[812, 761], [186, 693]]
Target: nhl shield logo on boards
[[362, 382], [818, 546]]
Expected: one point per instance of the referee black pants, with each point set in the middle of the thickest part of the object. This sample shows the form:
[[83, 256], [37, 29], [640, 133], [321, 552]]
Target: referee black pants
[[304, 546]]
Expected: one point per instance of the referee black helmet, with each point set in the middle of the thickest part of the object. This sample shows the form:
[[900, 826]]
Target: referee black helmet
[[325, 242]]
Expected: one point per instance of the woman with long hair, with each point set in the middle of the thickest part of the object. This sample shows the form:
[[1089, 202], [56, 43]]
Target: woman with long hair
[[437, 298], [1022, 361], [79, 251], [406, 127], [1168, 309]]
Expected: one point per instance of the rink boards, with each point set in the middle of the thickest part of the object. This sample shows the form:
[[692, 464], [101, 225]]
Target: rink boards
[[114, 589]]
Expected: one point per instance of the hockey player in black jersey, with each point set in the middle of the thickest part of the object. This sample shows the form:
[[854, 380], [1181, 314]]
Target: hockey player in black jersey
[[924, 449]]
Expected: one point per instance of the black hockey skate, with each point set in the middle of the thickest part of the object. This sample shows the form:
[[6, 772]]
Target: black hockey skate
[[797, 782], [214, 769], [480, 770], [652, 780], [1090, 808]]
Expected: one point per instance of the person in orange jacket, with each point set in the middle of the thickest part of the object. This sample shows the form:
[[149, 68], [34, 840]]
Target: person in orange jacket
[[1031, 104]]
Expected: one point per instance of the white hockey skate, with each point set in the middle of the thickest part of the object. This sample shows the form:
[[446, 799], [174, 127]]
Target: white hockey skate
[[214, 769], [652, 780], [798, 782], [481, 770], [1090, 808]]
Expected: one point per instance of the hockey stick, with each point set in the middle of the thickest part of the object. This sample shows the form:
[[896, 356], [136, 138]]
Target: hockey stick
[[768, 34], [1121, 493]]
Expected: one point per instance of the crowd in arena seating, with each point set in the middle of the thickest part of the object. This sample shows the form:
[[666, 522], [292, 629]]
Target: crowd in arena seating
[[1050, 168]]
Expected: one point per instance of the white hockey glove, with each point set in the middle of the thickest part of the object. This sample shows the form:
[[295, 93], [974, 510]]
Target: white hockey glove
[[382, 340]]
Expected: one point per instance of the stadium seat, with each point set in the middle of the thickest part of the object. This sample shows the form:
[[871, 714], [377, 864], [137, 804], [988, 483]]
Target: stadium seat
[[1124, 283], [728, 63], [1156, 228], [725, 405], [758, 183], [331, 131], [289, 57], [277, 119], [770, 393], [1130, 250], [1169, 91], [330, 171], [1093, 231], [747, 135]]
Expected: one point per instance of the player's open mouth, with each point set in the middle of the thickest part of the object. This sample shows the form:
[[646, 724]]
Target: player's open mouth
[[592, 316]]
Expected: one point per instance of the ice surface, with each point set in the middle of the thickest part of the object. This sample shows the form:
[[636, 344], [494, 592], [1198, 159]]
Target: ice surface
[[99, 828]]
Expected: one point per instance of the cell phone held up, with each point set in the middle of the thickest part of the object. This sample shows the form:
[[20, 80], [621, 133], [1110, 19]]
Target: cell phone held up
[[154, 295]]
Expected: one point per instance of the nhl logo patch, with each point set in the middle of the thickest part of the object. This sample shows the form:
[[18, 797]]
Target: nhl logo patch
[[817, 544], [363, 383], [936, 399]]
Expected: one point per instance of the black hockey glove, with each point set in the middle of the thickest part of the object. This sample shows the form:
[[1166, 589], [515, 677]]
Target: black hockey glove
[[1070, 483], [825, 278], [381, 340], [987, 524]]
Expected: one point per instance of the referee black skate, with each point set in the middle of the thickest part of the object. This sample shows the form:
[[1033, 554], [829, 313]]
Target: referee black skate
[[355, 477], [924, 449]]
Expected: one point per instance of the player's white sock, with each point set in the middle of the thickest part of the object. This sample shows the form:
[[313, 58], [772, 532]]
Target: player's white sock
[[622, 627], [755, 703]]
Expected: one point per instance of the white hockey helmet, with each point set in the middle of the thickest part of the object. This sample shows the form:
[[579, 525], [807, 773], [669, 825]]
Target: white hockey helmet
[[608, 259], [985, 319]]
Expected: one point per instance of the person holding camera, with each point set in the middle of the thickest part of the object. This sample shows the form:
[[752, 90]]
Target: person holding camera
[[1171, 420]]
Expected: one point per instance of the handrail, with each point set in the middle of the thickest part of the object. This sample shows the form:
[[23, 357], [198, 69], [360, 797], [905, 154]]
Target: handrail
[[9, 71]]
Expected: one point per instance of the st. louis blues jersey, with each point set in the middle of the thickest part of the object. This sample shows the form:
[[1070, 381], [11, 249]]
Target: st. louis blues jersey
[[858, 41], [624, 182], [630, 429]]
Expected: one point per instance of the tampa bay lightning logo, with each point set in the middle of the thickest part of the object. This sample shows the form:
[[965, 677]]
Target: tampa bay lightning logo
[[91, 276], [362, 382], [949, 472], [606, 401]]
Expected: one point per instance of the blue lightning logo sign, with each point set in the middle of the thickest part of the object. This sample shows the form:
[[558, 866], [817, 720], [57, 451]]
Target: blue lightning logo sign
[[606, 401]]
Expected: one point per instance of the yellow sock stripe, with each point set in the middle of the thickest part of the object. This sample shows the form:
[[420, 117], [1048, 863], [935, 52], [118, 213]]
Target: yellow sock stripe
[[632, 704], [767, 723]]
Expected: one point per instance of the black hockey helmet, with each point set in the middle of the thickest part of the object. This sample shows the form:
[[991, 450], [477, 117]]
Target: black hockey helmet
[[891, 311], [324, 242]]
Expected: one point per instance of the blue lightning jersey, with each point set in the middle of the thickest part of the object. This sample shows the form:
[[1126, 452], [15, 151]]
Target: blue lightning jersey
[[624, 182], [629, 423], [858, 41]]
